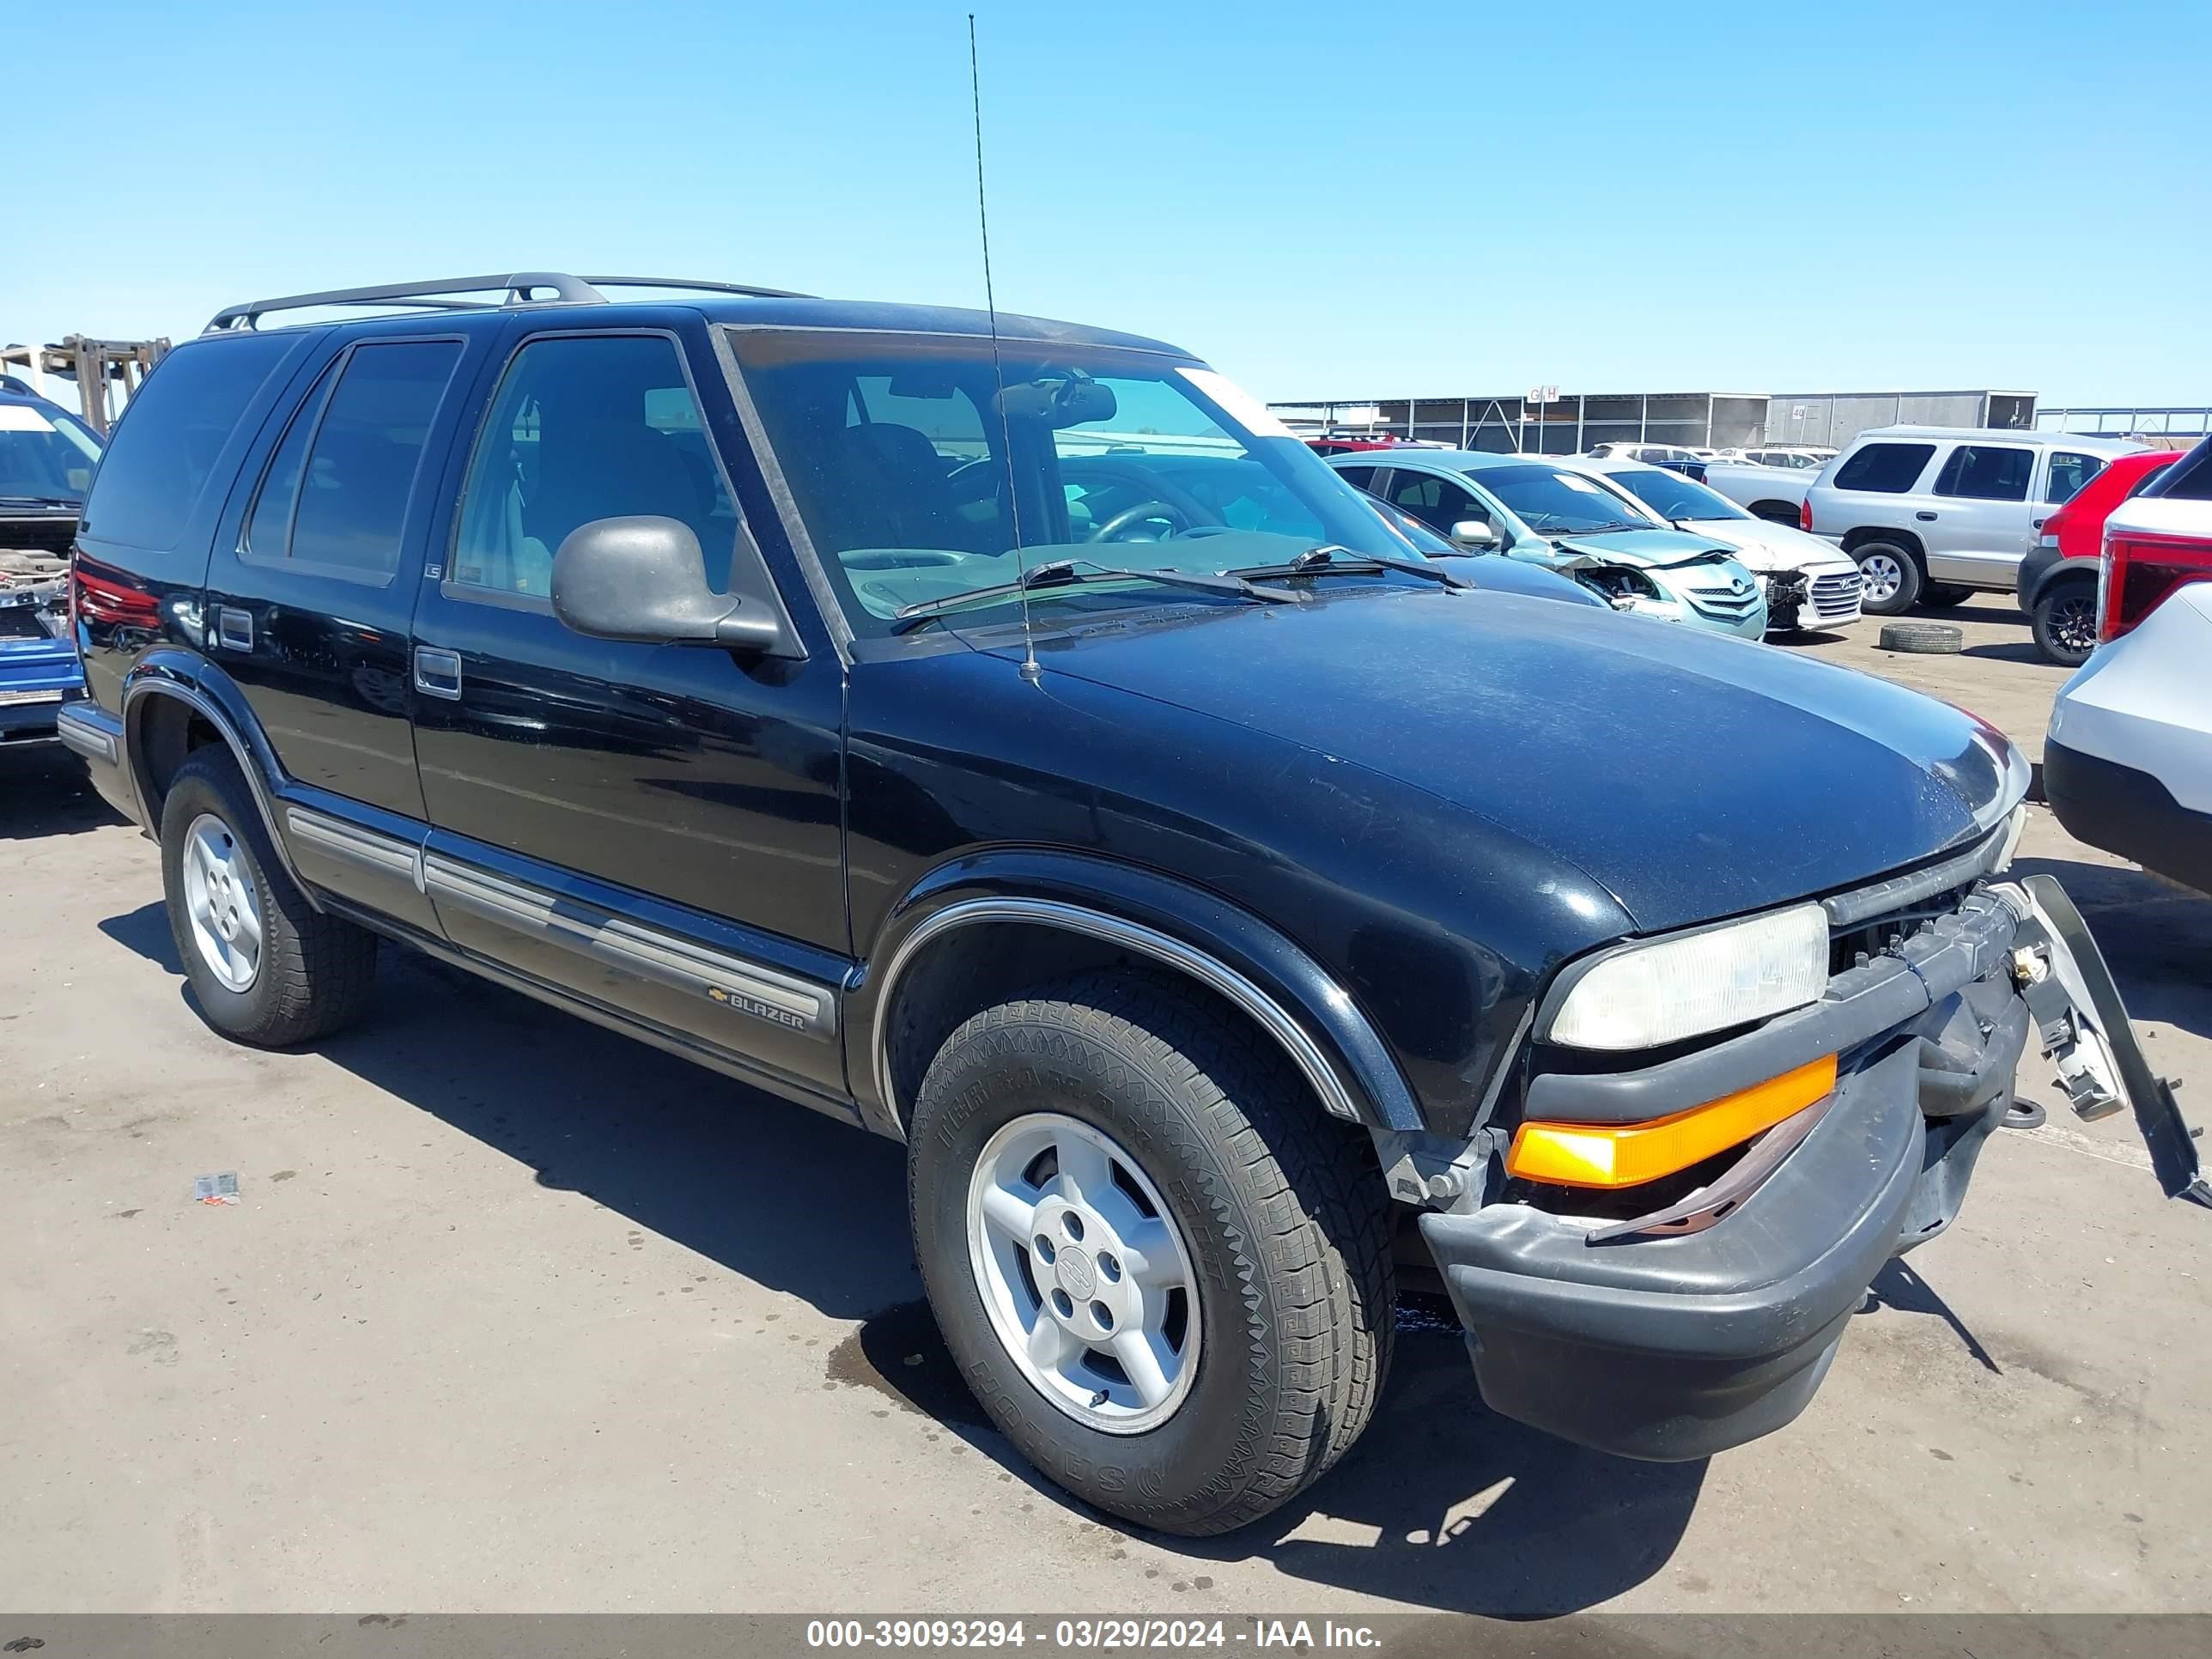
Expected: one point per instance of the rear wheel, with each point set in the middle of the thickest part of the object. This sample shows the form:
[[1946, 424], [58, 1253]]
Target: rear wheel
[[1890, 578], [265, 966], [2065, 622], [1166, 1273]]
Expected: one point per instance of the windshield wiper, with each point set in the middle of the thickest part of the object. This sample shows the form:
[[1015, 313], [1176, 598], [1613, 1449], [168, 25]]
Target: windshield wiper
[[1058, 573], [40, 501], [1314, 561]]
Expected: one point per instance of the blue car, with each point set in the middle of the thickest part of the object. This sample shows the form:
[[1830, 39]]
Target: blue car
[[47, 460]]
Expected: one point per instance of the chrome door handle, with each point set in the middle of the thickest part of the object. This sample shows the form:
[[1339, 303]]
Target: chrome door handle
[[438, 673], [233, 629]]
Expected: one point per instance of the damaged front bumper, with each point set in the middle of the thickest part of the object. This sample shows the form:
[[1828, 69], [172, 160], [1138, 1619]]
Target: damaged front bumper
[[1712, 1321]]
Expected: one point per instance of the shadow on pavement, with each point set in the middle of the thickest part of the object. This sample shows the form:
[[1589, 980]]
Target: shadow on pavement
[[2016, 651], [2156, 937], [43, 791], [1440, 1505], [1897, 1287]]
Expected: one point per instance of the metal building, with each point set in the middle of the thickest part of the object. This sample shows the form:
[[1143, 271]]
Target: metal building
[[1545, 422]]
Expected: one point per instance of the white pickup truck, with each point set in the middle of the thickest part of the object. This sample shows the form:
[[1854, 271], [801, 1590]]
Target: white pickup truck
[[1768, 492]]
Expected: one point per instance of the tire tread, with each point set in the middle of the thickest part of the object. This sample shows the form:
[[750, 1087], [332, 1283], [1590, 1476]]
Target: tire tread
[[1311, 1181], [322, 968]]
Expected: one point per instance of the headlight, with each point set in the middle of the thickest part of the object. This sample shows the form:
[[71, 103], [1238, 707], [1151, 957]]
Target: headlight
[[1643, 995], [2014, 827]]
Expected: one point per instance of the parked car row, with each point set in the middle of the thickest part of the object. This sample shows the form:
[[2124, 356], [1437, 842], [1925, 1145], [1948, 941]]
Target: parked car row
[[1934, 513], [1644, 538], [1005, 736]]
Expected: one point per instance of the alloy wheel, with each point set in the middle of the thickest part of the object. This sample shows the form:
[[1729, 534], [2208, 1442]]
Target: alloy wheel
[[1883, 577], [2073, 625], [1083, 1273], [222, 901]]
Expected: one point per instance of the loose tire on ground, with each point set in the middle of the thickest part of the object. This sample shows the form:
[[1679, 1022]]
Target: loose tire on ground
[[310, 974], [1280, 1208], [1921, 639], [1891, 576], [2065, 622]]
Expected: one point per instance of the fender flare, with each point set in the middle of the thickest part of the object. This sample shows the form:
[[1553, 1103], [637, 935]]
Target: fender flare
[[1244, 959], [214, 695], [2061, 570]]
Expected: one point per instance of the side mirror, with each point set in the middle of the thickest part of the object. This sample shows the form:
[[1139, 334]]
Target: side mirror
[[640, 579], [1474, 533]]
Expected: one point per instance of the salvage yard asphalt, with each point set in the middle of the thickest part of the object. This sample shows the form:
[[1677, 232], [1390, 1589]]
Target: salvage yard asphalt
[[515, 1314]]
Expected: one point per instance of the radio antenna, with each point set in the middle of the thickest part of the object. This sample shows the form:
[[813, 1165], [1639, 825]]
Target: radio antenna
[[1029, 669]]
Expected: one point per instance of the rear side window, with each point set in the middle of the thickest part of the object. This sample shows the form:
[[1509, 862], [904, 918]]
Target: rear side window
[[2068, 472], [1357, 476], [1435, 503], [1884, 469], [2142, 485], [270, 527], [1986, 472], [167, 444], [338, 499]]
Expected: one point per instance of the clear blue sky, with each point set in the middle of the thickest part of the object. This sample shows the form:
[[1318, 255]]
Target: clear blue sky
[[1321, 199]]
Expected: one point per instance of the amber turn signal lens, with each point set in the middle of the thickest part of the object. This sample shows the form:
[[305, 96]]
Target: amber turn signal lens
[[1595, 1155]]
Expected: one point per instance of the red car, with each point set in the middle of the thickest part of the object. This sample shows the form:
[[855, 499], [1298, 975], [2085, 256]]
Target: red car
[[2058, 578]]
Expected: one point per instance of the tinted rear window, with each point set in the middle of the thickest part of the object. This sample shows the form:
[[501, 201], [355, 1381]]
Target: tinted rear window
[[167, 443], [1986, 472], [1884, 469], [353, 494]]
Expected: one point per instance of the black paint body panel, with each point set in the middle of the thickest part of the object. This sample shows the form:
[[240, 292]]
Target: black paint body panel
[[1395, 810]]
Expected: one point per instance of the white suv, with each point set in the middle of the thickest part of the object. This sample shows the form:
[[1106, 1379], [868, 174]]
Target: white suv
[[1932, 513], [2128, 765]]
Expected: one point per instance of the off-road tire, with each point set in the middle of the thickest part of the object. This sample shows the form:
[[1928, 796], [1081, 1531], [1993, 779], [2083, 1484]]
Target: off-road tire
[[1942, 596], [2058, 613], [316, 971], [1910, 579], [1921, 639], [1282, 1208]]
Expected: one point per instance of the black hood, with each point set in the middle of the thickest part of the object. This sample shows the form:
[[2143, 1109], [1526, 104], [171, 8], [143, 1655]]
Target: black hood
[[1693, 775]]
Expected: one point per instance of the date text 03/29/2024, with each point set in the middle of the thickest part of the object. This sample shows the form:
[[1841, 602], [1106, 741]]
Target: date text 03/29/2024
[[1091, 1634]]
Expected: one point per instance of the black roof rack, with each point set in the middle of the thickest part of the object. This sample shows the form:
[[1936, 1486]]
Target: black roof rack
[[519, 288]]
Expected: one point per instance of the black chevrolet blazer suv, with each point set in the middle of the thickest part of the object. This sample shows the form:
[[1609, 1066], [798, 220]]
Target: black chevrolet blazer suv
[[1008, 737]]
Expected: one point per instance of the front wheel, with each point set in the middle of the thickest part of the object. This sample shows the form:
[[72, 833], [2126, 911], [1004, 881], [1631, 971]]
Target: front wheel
[[1165, 1273], [1890, 576], [2065, 622]]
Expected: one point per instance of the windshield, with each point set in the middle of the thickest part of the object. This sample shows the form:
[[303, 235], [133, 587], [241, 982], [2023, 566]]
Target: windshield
[[1551, 502], [1671, 496], [46, 454], [912, 476]]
